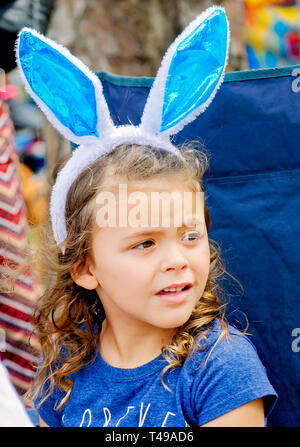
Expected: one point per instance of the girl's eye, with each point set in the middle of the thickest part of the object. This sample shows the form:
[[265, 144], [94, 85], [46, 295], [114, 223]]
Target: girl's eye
[[145, 244], [192, 235]]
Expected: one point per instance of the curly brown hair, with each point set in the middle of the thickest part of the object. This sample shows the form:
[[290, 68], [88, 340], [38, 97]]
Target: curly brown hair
[[68, 317]]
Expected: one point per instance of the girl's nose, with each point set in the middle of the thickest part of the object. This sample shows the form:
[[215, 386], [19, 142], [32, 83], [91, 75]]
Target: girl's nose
[[174, 261], [176, 266]]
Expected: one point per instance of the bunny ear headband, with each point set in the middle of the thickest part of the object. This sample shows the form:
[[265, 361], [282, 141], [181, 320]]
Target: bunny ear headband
[[71, 96]]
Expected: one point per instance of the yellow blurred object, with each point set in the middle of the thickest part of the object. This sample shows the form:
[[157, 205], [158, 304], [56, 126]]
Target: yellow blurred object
[[262, 3], [272, 33], [35, 196]]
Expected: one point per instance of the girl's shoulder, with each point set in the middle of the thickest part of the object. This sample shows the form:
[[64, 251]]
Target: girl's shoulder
[[225, 372], [231, 342], [217, 348]]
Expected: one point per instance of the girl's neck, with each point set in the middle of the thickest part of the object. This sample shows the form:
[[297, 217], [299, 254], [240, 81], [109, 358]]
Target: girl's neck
[[131, 350]]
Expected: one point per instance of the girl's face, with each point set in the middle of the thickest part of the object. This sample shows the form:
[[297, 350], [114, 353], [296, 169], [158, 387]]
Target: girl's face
[[132, 265]]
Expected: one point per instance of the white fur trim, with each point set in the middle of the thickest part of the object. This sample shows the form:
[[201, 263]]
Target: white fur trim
[[133, 134], [152, 115], [81, 158], [104, 124]]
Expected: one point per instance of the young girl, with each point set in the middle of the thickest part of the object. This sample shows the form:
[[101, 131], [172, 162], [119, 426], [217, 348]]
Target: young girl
[[132, 327]]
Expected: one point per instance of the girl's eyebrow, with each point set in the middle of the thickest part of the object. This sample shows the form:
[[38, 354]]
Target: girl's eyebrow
[[160, 230], [143, 233]]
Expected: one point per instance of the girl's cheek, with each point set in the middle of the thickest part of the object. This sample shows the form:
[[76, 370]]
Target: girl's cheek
[[203, 271], [204, 263]]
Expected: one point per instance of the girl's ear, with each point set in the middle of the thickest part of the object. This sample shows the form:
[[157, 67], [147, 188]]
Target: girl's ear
[[69, 94], [190, 74], [83, 276]]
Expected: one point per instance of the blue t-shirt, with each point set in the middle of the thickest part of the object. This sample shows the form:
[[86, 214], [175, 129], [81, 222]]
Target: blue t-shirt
[[210, 383]]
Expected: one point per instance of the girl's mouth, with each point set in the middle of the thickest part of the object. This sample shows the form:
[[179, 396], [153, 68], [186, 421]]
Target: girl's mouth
[[175, 295]]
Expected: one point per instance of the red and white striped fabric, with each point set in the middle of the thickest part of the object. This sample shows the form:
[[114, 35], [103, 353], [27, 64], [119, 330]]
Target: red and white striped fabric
[[19, 350]]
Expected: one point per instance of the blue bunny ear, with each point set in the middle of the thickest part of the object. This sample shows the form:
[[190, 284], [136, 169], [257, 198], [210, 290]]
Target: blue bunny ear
[[64, 88], [190, 74]]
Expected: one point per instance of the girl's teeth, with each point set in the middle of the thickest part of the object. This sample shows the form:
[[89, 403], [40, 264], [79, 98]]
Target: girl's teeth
[[172, 290]]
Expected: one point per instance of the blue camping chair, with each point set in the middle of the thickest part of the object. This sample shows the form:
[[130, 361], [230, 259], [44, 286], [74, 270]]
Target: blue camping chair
[[252, 130]]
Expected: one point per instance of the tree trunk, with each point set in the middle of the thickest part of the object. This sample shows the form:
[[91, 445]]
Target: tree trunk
[[129, 37]]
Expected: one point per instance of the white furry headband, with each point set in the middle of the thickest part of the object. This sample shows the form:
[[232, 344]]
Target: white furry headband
[[72, 98]]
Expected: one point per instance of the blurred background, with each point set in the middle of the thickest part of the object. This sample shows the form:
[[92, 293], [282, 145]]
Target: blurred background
[[124, 37]]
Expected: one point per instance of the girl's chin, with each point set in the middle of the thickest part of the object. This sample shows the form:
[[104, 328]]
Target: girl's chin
[[172, 322]]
